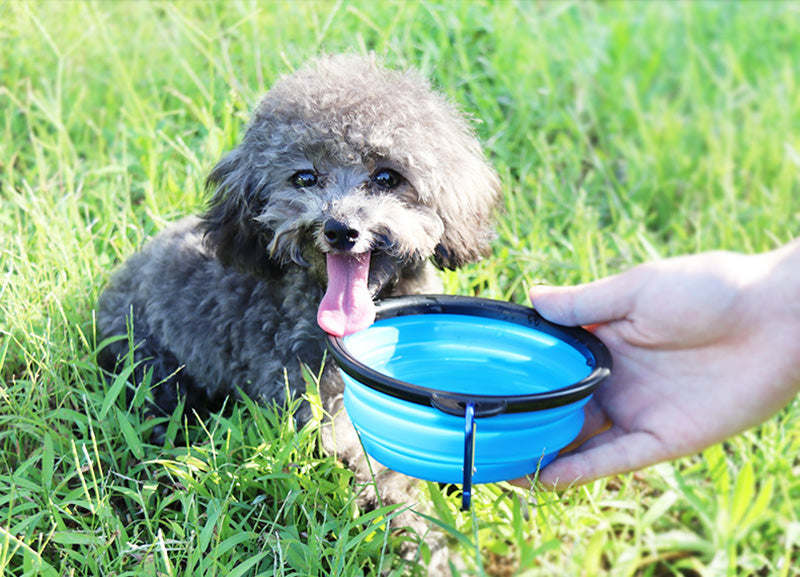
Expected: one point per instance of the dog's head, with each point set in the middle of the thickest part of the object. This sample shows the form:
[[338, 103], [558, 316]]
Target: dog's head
[[355, 171]]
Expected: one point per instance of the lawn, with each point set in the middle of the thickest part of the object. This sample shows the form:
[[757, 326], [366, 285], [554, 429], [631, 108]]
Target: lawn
[[622, 131]]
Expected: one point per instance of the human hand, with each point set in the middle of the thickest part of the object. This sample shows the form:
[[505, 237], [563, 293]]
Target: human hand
[[704, 347]]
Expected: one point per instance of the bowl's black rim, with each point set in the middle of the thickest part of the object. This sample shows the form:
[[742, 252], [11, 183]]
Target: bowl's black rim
[[597, 356]]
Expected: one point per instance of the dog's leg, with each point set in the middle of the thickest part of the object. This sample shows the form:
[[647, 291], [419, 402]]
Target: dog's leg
[[170, 382], [376, 484]]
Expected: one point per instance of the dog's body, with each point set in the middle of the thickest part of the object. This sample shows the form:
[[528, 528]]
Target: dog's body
[[349, 181]]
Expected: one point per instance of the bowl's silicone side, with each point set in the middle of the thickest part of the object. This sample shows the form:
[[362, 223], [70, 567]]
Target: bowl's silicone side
[[426, 443]]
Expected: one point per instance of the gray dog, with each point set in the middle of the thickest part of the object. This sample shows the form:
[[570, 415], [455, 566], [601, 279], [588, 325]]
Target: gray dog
[[350, 183]]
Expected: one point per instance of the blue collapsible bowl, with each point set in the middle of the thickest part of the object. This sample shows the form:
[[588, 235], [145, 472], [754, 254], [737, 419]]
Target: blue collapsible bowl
[[461, 389]]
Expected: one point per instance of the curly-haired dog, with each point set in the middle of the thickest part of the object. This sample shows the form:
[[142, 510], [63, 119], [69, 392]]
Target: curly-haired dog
[[349, 181]]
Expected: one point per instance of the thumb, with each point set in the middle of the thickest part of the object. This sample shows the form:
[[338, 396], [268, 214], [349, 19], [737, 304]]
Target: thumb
[[601, 301]]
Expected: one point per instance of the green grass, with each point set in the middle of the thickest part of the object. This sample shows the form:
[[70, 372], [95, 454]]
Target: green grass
[[622, 131]]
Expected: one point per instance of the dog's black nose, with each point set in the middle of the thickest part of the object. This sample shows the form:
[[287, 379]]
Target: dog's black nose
[[339, 235]]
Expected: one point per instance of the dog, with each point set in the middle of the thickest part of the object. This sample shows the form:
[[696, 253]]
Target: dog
[[352, 182]]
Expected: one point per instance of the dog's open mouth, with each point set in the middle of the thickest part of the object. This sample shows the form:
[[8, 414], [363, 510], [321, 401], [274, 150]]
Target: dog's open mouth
[[347, 306]]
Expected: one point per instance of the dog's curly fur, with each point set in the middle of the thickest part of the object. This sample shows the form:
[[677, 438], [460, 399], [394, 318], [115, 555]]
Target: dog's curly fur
[[229, 299]]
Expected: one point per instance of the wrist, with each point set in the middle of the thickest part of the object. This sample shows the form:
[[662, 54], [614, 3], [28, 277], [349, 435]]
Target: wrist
[[785, 281], [777, 301]]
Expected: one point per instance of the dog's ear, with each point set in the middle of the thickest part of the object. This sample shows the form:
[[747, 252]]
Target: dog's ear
[[231, 230], [468, 199]]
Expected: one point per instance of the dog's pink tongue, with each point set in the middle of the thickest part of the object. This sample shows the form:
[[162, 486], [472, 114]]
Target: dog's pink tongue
[[347, 306]]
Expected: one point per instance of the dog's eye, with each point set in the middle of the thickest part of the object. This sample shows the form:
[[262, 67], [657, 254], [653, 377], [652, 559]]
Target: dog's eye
[[386, 178], [303, 179]]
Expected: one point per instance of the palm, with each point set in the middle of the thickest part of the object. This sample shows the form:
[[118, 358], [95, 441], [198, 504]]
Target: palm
[[694, 362]]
